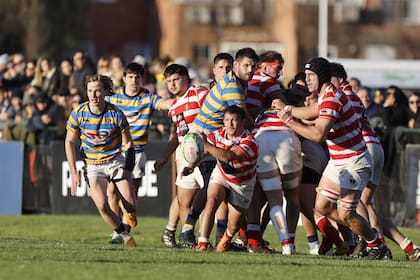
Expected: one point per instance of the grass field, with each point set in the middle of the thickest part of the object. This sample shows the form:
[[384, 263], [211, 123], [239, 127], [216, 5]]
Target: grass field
[[75, 247]]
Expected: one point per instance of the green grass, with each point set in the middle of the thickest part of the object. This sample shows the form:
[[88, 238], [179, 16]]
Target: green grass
[[75, 247]]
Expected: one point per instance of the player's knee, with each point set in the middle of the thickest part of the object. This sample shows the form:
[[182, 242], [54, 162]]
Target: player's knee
[[270, 184], [323, 207], [291, 184]]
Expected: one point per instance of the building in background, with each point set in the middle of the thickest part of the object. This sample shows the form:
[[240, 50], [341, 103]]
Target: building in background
[[379, 30]]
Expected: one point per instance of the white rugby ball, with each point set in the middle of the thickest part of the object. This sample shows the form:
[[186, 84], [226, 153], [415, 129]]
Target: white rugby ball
[[192, 147]]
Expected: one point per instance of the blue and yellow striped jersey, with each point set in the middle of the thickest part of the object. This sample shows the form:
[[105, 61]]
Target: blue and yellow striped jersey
[[225, 93], [100, 135], [138, 110], [208, 84]]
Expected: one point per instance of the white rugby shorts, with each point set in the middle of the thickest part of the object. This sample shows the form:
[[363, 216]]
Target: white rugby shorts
[[114, 170], [353, 175], [278, 150], [377, 154], [192, 181], [240, 194], [139, 165]]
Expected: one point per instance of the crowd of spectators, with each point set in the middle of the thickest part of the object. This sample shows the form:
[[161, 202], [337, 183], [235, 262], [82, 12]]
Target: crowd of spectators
[[37, 95]]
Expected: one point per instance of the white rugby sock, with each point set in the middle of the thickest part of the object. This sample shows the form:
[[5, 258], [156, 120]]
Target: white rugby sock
[[279, 222]]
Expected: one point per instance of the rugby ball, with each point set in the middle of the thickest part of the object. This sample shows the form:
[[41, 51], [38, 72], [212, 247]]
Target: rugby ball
[[192, 147]]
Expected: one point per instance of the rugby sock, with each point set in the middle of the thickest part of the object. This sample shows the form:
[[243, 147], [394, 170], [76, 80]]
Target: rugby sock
[[407, 245], [192, 217], [220, 229], [292, 237], [120, 228], [312, 238], [221, 226], [127, 227], [254, 234], [312, 241], [329, 231], [202, 241], [187, 227], [242, 233], [228, 234], [170, 227], [375, 242], [279, 222]]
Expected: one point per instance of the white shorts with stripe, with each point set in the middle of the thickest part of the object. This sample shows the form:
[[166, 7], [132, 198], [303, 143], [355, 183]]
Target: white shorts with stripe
[[240, 194], [354, 175]]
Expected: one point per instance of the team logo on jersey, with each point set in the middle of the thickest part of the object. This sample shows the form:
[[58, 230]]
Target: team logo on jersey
[[98, 138]]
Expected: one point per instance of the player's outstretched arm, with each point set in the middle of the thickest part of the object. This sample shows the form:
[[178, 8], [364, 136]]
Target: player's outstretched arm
[[70, 143]]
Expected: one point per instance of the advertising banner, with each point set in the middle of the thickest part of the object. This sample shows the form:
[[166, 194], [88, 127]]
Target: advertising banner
[[154, 194]]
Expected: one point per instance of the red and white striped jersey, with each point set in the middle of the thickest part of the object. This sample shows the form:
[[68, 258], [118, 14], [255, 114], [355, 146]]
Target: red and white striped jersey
[[345, 139], [269, 121], [369, 135], [261, 88], [236, 171], [184, 109]]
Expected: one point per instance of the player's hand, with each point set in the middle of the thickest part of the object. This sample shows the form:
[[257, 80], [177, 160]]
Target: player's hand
[[75, 182], [159, 163], [187, 171], [285, 116]]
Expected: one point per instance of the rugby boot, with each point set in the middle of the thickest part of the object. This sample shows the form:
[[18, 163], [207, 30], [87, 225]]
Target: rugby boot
[[168, 239], [187, 239], [223, 245], [414, 255]]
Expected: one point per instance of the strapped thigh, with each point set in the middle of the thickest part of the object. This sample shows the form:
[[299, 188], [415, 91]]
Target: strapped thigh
[[348, 204], [329, 194]]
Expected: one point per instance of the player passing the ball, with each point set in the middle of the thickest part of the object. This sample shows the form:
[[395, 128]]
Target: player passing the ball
[[233, 179]]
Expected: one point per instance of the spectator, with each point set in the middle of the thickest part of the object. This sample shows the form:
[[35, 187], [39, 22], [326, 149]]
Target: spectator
[[81, 69], [355, 84], [29, 71], [102, 66], [45, 76], [395, 114], [3, 65], [395, 111], [64, 74], [156, 68], [379, 97], [14, 76], [413, 103], [45, 119], [116, 69], [17, 130], [14, 111], [4, 103], [372, 109]]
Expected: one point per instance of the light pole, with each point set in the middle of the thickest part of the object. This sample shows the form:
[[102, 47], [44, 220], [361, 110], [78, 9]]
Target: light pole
[[323, 28]]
